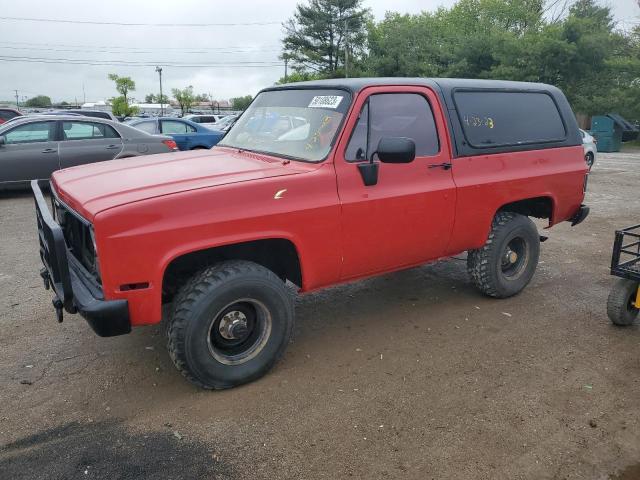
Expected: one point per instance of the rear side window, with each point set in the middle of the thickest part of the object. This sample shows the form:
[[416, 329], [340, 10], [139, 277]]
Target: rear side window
[[394, 115], [495, 119], [171, 126], [87, 131]]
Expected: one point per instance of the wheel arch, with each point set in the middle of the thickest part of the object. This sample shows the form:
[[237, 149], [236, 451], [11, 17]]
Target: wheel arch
[[542, 206], [278, 254]]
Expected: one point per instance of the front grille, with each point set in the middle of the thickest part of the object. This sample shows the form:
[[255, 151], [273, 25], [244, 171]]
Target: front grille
[[78, 237]]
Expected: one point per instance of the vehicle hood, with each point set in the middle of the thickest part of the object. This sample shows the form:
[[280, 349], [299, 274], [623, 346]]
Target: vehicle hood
[[90, 189]]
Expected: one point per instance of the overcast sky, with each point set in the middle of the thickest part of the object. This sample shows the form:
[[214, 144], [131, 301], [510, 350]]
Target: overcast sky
[[237, 44]]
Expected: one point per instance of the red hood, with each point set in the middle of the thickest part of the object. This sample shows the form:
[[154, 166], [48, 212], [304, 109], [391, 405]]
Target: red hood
[[90, 189]]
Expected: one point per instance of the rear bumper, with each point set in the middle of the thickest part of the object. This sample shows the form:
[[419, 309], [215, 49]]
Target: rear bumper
[[580, 215], [73, 292]]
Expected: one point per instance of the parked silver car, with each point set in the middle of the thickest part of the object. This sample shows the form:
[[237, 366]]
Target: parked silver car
[[33, 147], [590, 149]]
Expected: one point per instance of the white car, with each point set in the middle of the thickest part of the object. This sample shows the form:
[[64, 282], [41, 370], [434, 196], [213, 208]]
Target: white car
[[206, 120], [589, 146]]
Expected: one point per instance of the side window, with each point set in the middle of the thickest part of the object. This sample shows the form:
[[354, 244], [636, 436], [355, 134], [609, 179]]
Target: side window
[[87, 131], [357, 148], [149, 127], [31, 133], [394, 115], [196, 119], [489, 118], [170, 126]]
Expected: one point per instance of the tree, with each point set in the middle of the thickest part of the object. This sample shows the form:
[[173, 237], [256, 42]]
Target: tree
[[153, 98], [299, 76], [241, 103], [120, 107], [201, 98], [124, 85], [184, 97], [38, 101], [322, 33]]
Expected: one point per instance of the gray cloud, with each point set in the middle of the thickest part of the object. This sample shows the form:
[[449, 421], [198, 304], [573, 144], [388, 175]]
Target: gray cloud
[[160, 44]]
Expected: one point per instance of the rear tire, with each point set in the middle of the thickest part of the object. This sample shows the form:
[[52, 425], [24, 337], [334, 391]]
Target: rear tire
[[621, 302], [507, 262], [231, 323]]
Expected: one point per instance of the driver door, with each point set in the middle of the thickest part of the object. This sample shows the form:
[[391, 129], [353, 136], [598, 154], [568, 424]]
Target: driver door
[[407, 217]]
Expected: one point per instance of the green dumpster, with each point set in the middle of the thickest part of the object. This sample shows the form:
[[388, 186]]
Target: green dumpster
[[611, 130]]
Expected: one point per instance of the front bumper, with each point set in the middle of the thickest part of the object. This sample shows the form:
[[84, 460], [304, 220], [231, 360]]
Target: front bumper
[[73, 291]]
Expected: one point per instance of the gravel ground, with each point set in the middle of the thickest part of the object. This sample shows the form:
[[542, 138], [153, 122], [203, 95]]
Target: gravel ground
[[409, 375]]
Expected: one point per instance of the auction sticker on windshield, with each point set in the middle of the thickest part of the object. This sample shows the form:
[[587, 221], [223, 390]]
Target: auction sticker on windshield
[[325, 101]]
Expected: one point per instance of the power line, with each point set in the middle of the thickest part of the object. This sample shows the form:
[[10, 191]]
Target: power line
[[89, 22], [69, 61], [129, 47], [139, 52]]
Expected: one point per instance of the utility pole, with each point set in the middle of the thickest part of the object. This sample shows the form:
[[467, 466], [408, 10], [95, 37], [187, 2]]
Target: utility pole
[[84, 95], [159, 70], [17, 99], [286, 61], [346, 48]]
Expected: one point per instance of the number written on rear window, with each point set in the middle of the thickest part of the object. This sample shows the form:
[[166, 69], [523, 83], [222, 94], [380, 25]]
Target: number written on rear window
[[494, 119]]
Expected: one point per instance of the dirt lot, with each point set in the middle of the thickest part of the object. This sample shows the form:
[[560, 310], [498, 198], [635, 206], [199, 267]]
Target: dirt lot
[[410, 375]]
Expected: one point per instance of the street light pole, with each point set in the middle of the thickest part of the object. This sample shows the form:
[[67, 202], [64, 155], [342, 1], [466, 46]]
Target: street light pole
[[159, 70]]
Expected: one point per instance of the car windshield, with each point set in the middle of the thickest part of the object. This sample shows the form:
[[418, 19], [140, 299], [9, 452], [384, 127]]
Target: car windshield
[[297, 124]]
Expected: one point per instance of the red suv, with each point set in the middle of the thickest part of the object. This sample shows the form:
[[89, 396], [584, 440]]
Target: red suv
[[7, 114], [317, 183]]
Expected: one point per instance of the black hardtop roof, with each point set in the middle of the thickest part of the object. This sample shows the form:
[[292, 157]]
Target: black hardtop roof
[[446, 85]]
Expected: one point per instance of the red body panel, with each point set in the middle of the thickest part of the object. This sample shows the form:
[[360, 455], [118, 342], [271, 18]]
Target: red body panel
[[150, 210]]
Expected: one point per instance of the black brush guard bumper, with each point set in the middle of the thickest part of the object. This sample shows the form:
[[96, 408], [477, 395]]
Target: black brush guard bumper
[[73, 293]]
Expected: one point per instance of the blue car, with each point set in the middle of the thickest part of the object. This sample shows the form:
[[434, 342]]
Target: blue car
[[188, 135]]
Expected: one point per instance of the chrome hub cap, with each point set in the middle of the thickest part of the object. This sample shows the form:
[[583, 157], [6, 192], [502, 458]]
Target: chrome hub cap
[[233, 326], [239, 331]]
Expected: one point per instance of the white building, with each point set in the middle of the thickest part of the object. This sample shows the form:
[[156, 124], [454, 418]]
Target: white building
[[153, 108], [101, 105]]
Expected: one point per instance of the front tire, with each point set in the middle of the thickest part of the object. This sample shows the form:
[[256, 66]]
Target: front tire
[[621, 304], [507, 262], [231, 323]]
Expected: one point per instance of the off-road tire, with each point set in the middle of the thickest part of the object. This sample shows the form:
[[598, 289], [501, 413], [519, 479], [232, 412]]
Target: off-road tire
[[203, 297], [485, 264], [620, 306]]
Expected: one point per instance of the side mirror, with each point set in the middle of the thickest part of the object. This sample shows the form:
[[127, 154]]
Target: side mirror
[[390, 150], [396, 150]]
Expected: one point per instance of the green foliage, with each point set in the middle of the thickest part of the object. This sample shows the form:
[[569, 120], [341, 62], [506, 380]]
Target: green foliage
[[201, 97], [596, 66], [320, 30], [124, 85], [184, 97], [241, 103], [153, 98], [38, 101], [300, 76], [120, 107]]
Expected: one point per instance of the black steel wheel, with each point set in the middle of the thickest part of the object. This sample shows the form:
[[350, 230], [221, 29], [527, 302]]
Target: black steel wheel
[[508, 260], [231, 322]]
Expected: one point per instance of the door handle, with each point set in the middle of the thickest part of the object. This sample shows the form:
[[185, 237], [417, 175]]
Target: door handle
[[446, 166], [113, 147], [50, 150]]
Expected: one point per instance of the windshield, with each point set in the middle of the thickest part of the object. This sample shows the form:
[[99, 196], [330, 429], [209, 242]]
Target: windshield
[[298, 124]]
